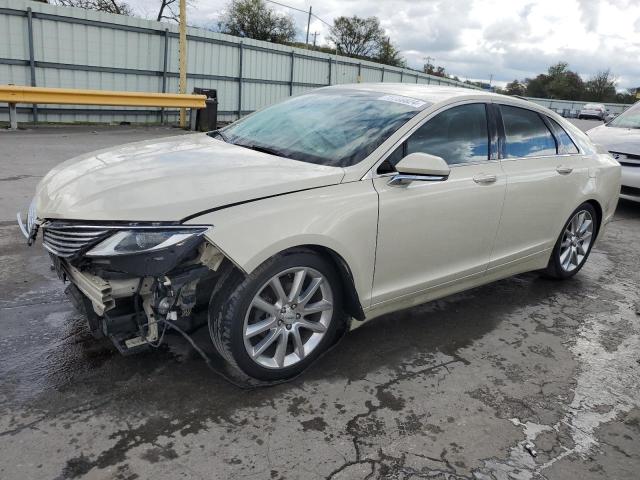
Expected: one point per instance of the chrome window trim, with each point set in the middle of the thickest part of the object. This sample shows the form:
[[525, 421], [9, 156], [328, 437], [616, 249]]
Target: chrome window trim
[[560, 155], [372, 172]]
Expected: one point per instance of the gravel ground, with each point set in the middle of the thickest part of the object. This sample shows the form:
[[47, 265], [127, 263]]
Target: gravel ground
[[525, 378]]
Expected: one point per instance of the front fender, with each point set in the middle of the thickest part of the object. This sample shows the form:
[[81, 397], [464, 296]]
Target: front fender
[[342, 218]]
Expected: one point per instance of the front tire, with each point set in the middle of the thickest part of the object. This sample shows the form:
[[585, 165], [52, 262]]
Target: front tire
[[574, 243], [273, 323]]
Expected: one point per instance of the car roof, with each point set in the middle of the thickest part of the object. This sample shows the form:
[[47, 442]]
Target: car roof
[[428, 93]]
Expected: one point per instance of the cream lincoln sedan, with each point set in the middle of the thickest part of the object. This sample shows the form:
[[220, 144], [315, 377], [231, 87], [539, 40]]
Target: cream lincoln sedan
[[305, 219]]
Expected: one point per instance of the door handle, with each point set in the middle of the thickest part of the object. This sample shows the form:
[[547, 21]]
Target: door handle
[[485, 179], [564, 170]]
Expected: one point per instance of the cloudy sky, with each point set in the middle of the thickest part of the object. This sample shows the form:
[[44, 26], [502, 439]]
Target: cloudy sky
[[478, 38]]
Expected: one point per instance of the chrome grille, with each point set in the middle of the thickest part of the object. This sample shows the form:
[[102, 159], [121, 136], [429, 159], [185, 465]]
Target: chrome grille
[[66, 240]]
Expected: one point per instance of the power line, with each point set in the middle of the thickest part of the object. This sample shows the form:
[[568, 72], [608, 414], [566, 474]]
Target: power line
[[300, 10], [287, 6]]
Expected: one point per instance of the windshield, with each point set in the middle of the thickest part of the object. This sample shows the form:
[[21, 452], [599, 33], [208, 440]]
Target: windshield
[[628, 119], [329, 127]]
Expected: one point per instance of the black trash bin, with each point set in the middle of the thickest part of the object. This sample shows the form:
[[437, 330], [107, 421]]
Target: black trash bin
[[207, 118]]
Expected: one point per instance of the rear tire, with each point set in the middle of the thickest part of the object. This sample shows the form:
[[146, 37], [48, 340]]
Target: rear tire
[[272, 324], [574, 243]]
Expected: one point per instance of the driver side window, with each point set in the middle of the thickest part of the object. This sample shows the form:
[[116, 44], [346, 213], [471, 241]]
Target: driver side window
[[458, 135]]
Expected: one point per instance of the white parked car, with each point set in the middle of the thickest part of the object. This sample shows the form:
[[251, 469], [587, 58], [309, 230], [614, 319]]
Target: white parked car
[[621, 137], [311, 216], [593, 110]]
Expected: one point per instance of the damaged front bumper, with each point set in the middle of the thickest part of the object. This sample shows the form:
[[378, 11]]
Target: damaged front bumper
[[128, 296]]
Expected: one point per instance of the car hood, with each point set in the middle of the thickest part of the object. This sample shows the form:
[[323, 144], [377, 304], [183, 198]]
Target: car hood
[[623, 140], [170, 179]]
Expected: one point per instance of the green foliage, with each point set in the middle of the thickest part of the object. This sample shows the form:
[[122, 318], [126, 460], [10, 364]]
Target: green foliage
[[602, 86], [364, 38], [255, 19], [356, 36], [562, 83], [389, 54], [515, 88]]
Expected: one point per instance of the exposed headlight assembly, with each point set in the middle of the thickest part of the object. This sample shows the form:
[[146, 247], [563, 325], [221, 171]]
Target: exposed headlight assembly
[[128, 242], [147, 251]]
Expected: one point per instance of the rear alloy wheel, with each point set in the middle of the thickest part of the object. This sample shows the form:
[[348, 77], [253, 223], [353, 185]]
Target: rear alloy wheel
[[271, 324], [575, 242]]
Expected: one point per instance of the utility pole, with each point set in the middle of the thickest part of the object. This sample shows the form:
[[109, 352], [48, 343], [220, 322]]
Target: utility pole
[[182, 53], [315, 35], [308, 23]]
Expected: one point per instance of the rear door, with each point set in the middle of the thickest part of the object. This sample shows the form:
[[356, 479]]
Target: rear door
[[545, 174]]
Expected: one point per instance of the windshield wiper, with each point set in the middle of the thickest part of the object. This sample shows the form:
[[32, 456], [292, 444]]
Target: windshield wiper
[[259, 148], [222, 136]]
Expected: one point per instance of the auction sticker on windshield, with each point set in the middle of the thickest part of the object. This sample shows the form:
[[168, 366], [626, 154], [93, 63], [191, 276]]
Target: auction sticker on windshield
[[411, 102]]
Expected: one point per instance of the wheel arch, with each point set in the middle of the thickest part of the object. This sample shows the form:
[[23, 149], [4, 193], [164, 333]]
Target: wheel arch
[[352, 304], [598, 208]]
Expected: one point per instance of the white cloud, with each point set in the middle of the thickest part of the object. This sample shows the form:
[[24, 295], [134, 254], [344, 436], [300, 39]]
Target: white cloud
[[475, 38]]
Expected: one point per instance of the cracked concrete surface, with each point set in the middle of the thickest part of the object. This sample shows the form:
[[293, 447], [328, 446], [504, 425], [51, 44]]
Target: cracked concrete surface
[[453, 389]]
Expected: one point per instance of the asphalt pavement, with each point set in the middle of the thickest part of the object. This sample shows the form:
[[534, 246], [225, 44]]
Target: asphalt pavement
[[525, 378]]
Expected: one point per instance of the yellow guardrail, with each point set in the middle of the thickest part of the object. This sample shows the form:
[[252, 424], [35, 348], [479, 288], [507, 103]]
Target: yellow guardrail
[[72, 96], [14, 94]]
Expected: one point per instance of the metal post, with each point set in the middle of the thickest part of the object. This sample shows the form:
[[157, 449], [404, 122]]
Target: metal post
[[32, 62], [291, 77], [329, 70], [193, 118], [359, 72], [182, 48], [416, 78], [240, 83], [163, 118], [13, 117], [308, 23], [401, 75], [382, 79]]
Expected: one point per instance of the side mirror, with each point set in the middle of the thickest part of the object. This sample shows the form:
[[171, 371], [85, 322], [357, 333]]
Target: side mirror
[[420, 167]]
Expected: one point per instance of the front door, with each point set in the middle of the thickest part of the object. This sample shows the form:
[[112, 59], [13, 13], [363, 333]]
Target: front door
[[432, 233]]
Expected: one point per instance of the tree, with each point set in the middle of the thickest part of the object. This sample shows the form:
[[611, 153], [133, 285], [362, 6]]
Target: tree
[[559, 82], [167, 11], [515, 88], [563, 83], [434, 70], [254, 19], [356, 36], [108, 6], [602, 87], [389, 54]]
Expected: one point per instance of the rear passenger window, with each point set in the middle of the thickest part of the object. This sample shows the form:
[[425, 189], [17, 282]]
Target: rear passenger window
[[458, 135], [565, 144], [527, 135]]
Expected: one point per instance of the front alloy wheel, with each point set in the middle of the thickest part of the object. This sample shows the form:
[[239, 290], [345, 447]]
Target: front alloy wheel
[[288, 317], [272, 323]]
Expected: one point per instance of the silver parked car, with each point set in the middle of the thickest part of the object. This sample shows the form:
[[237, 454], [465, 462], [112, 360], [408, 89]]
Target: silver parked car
[[593, 110], [621, 137]]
